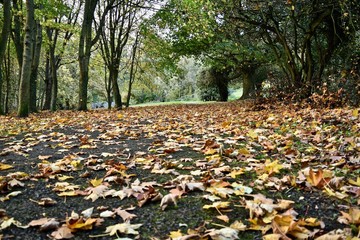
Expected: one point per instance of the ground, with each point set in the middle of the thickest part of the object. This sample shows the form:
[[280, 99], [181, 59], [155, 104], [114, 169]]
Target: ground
[[206, 171]]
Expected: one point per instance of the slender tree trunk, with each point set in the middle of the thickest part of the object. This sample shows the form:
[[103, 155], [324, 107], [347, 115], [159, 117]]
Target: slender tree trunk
[[35, 66], [108, 88], [1, 84], [54, 85], [7, 67], [24, 90], [48, 84], [5, 32], [133, 69]]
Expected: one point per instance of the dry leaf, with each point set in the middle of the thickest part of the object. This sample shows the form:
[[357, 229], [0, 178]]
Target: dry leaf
[[223, 218], [107, 214], [223, 234], [5, 166], [62, 233], [125, 215], [168, 200], [126, 228]]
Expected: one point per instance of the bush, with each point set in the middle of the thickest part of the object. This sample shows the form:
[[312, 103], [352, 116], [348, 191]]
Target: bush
[[144, 97]]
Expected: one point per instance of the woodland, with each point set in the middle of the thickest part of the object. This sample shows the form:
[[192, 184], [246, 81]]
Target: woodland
[[192, 119]]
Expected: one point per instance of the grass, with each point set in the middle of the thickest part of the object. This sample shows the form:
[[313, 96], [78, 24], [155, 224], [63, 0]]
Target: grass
[[168, 103], [236, 94]]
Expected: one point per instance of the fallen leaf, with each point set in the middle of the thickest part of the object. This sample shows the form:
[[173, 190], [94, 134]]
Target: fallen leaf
[[167, 200], [223, 234], [96, 182], [107, 214], [5, 166], [125, 215], [62, 233], [223, 218], [126, 228], [7, 197], [238, 225], [356, 183], [87, 212], [217, 205], [175, 234], [8, 222], [52, 224], [351, 217]]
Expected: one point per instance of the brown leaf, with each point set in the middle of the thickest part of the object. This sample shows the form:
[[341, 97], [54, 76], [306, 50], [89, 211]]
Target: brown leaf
[[62, 233], [125, 215]]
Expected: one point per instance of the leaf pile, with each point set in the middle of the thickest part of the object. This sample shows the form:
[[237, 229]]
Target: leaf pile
[[213, 171]]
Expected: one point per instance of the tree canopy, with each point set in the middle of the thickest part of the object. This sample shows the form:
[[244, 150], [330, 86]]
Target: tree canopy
[[270, 47]]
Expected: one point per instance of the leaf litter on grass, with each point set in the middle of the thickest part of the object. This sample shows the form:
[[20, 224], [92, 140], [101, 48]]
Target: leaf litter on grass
[[226, 162]]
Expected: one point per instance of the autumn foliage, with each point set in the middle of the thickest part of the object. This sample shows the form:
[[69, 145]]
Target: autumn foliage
[[274, 171]]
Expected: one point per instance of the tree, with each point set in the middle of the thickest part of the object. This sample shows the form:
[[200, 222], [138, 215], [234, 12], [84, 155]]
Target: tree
[[205, 29], [63, 19], [300, 37], [114, 38], [24, 91], [86, 43], [133, 66], [303, 35], [5, 32], [35, 65]]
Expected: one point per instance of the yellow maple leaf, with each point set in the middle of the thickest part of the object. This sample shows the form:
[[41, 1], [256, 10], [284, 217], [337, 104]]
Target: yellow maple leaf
[[63, 177], [356, 183], [5, 166], [96, 182], [175, 234], [355, 113], [272, 167], [80, 224], [244, 151], [252, 134]]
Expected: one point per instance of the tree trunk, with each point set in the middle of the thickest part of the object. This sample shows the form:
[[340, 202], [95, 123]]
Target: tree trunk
[[48, 84], [222, 81], [108, 88], [35, 66], [54, 83], [24, 89], [114, 73], [7, 63], [5, 32], [247, 86], [83, 82], [133, 69], [17, 33], [85, 44]]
